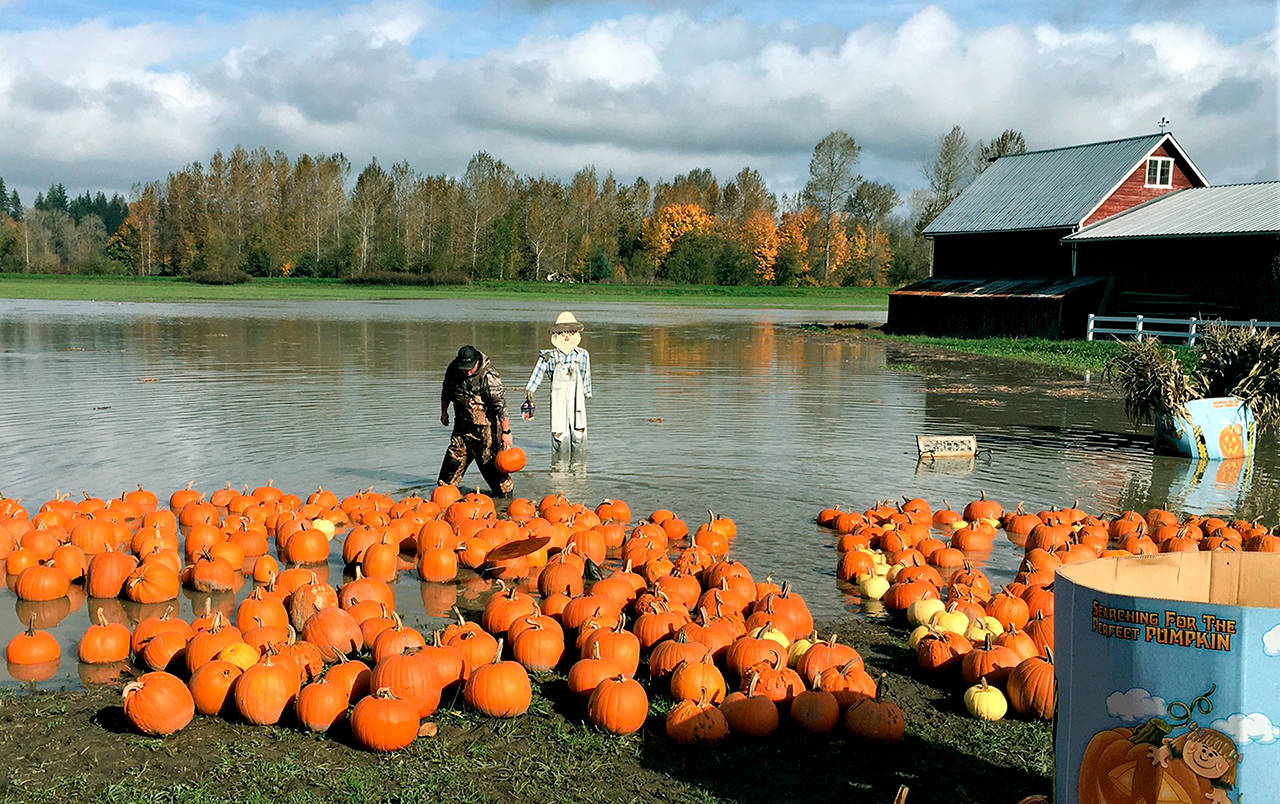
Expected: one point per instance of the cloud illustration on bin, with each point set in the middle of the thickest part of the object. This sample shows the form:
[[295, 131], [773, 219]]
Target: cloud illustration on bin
[[1245, 729], [1271, 642], [1136, 704]]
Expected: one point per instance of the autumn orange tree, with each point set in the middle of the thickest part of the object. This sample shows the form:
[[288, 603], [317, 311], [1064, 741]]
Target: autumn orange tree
[[661, 230]]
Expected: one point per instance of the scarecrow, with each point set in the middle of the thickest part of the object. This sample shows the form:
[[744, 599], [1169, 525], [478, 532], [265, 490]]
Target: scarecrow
[[570, 368]]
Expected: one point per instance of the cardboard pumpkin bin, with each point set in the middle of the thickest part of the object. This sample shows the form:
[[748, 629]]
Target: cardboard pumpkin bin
[[1214, 428], [1168, 679]]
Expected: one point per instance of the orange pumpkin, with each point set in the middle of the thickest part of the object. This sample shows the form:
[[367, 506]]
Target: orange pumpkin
[[510, 460]]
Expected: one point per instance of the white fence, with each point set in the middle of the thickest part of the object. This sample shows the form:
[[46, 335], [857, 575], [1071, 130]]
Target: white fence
[[1188, 330]]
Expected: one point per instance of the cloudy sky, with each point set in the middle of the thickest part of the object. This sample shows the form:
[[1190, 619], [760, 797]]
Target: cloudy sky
[[103, 95]]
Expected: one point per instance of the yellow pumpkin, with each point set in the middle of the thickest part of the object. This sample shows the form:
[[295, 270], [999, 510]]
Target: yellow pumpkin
[[771, 633], [917, 634], [921, 611], [873, 587], [985, 702], [956, 622], [978, 630], [799, 648]]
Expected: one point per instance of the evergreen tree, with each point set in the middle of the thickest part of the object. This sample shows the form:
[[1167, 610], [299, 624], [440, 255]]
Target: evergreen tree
[[55, 200], [15, 206], [4, 197]]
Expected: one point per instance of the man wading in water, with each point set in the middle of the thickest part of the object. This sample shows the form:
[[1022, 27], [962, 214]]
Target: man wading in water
[[480, 423]]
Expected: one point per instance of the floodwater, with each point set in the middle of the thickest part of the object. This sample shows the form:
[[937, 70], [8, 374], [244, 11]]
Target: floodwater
[[738, 411]]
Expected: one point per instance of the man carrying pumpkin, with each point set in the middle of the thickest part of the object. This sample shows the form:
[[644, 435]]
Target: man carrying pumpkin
[[480, 423]]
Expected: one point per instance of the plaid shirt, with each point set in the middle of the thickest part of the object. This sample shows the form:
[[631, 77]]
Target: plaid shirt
[[551, 359]]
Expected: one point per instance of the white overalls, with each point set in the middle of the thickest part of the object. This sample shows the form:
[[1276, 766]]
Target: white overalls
[[570, 389]]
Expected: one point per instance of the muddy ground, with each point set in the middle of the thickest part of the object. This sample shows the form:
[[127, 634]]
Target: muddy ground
[[75, 746]]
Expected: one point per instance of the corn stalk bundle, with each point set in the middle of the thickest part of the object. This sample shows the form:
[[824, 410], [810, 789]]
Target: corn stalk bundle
[[1151, 379], [1244, 363], [1238, 362]]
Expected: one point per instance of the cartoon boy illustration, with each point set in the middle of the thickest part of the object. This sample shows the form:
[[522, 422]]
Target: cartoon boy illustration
[[570, 368], [1208, 753]]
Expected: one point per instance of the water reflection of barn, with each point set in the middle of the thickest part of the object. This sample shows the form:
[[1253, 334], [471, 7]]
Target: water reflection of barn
[[1040, 240]]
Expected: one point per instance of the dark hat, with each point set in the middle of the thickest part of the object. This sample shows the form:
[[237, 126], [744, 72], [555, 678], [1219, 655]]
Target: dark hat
[[467, 358]]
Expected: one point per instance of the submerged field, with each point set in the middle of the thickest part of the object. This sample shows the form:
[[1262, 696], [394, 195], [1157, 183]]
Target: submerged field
[[76, 746]]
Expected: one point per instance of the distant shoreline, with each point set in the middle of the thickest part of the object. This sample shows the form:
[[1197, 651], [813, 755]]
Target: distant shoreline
[[170, 289]]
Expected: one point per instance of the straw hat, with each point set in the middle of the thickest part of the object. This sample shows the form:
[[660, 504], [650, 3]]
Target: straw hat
[[565, 322]]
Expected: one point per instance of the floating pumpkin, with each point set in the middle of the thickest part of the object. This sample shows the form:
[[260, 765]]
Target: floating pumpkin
[[32, 647], [42, 581], [104, 643]]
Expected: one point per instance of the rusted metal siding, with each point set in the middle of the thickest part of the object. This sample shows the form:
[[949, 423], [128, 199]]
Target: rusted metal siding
[[980, 308]]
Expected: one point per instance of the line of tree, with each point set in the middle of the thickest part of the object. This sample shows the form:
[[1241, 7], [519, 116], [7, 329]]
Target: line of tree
[[267, 214]]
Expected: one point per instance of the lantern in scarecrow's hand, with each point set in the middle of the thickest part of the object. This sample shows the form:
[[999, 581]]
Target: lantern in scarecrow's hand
[[569, 366]]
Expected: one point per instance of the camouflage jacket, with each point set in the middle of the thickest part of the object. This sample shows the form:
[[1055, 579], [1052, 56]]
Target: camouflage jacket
[[478, 400]]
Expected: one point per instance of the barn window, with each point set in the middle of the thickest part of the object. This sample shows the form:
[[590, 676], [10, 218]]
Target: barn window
[[1159, 172]]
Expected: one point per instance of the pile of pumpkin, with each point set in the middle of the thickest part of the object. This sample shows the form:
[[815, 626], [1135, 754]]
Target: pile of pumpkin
[[588, 592], [920, 563]]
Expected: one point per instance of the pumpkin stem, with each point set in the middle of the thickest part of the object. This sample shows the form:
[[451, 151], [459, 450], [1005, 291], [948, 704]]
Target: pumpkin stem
[[751, 683], [497, 654], [31, 625], [461, 620], [880, 685]]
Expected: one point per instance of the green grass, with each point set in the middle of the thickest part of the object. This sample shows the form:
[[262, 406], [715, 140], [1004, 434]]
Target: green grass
[[1077, 357], [165, 289]]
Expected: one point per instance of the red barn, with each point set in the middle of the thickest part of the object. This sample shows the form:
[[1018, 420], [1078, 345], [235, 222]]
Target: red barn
[[1000, 264]]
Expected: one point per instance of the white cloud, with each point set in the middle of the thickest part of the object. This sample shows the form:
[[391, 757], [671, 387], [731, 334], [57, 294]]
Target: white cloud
[[1136, 704], [1271, 642], [1245, 729], [95, 105]]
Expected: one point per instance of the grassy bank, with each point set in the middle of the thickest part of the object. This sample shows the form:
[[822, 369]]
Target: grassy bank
[[168, 289], [1075, 356], [63, 746]]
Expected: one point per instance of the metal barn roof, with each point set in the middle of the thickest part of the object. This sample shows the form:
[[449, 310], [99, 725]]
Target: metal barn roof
[[1228, 209], [998, 287], [1049, 189]]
